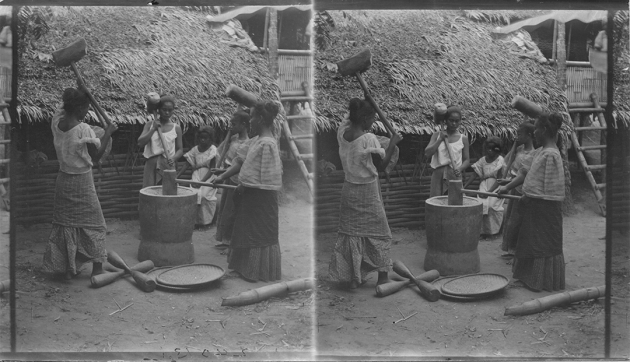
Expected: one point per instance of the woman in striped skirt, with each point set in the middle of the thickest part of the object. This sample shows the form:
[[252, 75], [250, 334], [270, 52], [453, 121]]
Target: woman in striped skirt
[[254, 249], [364, 238], [539, 258], [79, 230]]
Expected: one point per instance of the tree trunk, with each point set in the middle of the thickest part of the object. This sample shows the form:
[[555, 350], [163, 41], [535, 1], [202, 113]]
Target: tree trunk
[[273, 43], [561, 50]]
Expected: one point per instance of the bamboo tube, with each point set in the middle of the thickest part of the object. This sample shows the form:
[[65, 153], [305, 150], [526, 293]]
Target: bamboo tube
[[550, 301], [268, 291]]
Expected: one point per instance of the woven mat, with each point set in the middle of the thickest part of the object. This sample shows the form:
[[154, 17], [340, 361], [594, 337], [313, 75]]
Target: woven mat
[[190, 275], [475, 285]]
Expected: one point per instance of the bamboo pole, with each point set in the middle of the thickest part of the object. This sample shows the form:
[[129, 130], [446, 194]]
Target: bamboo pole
[[550, 301]]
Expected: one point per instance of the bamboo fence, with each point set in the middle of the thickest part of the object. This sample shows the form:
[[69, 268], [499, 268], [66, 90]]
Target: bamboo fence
[[403, 197], [294, 69], [117, 184], [581, 82]]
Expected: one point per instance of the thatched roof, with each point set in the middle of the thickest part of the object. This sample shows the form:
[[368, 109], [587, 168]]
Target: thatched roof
[[424, 57], [133, 51]]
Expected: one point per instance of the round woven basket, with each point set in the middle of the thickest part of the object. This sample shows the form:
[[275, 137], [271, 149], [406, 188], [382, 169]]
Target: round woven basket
[[157, 271], [438, 283], [190, 276], [475, 285]]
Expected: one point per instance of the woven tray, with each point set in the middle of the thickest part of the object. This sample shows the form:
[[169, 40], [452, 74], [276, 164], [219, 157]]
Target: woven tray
[[438, 285], [190, 276], [475, 285], [153, 273]]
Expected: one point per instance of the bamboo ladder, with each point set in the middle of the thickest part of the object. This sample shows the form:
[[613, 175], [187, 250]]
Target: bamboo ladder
[[6, 141], [291, 138], [577, 110]]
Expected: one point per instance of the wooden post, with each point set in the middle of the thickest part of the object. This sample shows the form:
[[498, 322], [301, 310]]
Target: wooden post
[[273, 43], [602, 137], [455, 195], [265, 35], [169, 185], [569, 41], [561, 61], [555, 39]]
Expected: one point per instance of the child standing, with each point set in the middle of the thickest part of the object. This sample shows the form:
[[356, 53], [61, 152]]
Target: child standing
[[153, 150], [364, 238], [539, 257], [239, 125], [202, 158], [440, 161], [490, 168], [516, 160]]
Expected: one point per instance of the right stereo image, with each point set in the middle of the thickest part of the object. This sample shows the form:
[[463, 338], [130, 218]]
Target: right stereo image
[[464, 200]]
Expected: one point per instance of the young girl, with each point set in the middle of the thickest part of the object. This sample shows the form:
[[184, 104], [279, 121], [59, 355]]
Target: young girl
[[364, 238], [153, 150], [202, 158], [440, 161], [521, 156], [490, 168], [539, 258], [239, 124], [78, 231], [254, 249]]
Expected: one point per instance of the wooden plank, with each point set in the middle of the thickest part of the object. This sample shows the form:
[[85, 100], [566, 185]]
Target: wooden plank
[[586, 110], [296, 99], [595, 147], [592, 128], [584, 105], [302, 136], [300, 117], [594, 168]]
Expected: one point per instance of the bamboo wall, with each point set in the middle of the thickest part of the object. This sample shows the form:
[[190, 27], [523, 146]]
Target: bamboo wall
[[117, 187], [293, 70], [403, 198], [582, 81], [5, 82]]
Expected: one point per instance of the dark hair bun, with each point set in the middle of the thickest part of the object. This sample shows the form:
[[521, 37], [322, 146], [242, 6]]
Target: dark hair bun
[[74, 99], [556, 121], [360, 109]]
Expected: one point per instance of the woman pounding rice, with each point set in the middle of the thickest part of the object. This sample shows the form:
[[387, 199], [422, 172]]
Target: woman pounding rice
[[78, 231], [153, 150], [539, 258], [515, 160], [239, 125], [440, 160], [254, 249], [364, 238]]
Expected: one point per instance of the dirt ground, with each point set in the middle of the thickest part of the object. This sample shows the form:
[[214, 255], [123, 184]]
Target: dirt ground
[[71, 316], [359, 323]]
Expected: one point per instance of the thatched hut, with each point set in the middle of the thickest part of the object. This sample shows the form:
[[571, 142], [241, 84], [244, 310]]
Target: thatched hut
[[130, 53], [421, 58]]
